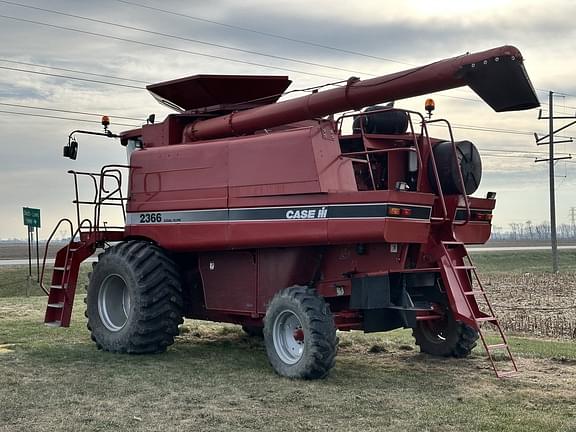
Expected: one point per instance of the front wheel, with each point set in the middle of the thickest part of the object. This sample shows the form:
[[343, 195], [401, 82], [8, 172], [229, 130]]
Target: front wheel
[[445, 337], [300, 334]]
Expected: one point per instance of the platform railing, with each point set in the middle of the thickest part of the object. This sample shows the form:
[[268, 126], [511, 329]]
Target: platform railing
[[102, 196], [414, 139]]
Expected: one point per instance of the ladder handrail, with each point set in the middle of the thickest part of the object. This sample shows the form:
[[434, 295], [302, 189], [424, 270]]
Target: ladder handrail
[[72, 237], [460, 178], [426, 136], [46, 250]]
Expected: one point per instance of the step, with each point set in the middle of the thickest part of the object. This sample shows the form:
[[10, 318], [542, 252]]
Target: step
[[61, 268], [465, 267], [56, 305], [497, 346], [56, 287], [486, 319], [471, 293], [414, 309], [53, 324], [452, 243]]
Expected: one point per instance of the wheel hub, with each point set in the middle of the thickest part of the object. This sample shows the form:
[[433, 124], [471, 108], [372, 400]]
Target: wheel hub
[[288, 337], [114, 302]]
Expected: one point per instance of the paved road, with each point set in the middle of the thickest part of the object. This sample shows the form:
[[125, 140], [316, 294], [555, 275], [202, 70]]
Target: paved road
[[17, 262], [479, 249], [472, 249]]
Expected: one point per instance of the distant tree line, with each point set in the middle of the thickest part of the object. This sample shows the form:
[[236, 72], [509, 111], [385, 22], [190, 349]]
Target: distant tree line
[[532, 231]]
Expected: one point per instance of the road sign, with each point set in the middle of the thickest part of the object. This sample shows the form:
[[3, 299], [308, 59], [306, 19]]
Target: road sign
[[31, 217]]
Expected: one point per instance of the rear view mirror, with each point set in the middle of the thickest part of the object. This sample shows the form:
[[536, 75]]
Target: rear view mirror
[[71, 149]]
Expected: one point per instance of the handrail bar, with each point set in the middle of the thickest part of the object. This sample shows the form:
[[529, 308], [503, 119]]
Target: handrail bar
[[460, 177]]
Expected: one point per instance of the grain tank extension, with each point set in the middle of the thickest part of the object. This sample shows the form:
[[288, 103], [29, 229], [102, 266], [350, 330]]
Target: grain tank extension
[[291, 220]]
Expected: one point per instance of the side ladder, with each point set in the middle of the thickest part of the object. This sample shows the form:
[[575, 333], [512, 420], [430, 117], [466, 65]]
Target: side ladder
[[457, 268], [64, 280]]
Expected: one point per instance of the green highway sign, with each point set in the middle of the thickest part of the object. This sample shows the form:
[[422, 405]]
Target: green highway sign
[[31, 217]]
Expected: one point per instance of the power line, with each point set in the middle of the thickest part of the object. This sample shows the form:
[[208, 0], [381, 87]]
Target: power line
[[193, 52], [71, 77], [276, 36], [67, 111], [72, 70], [181, 50], [458, 126], [60, 118], [171, 36], [215, 44], [195, 41]]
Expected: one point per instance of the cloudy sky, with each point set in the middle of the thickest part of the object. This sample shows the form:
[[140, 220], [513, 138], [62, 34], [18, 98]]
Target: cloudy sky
[[101, 42]]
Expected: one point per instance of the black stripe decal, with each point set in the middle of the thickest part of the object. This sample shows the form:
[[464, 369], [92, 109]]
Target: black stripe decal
[[353, 211], [461, 213]]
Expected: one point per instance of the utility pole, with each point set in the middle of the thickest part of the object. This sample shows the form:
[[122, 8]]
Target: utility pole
[[551, 160]]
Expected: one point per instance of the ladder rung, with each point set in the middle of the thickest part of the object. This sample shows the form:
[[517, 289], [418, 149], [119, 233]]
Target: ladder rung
[[497, 346], [61, 268], [486, 319], [54, 324], [56, 305], [452, 243], [465, 267], [471, 293], [56, 287]]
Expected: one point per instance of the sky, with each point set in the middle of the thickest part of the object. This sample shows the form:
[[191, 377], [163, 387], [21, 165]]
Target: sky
[[366, 39]]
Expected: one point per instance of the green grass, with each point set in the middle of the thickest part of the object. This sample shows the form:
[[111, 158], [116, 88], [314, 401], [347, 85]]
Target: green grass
[[216, 379], [14, 280], [523, 261]]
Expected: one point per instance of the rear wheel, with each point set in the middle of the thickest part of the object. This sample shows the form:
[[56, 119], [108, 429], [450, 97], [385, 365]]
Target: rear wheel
[[445, 337], [300, 334], [134, 301]]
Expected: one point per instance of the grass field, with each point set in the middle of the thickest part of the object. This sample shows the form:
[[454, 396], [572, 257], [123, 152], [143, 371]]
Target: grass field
[[214, 378], [523, 261]]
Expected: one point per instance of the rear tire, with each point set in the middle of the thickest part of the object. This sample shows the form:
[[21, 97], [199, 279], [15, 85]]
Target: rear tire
[[134, 301], [300, 334], [445, 337], [253, 331]]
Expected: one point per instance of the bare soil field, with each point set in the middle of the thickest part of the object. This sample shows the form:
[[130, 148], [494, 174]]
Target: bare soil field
[[539, 304]]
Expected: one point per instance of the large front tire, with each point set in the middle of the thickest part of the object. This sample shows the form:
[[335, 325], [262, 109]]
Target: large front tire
[[300, 334], [445, 337], [134, 301]]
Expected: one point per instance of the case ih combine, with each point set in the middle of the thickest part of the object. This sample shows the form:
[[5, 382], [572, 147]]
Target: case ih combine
[[272, 215]]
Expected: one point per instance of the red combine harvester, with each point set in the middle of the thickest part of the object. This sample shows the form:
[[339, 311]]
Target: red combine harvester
[[268, 214]]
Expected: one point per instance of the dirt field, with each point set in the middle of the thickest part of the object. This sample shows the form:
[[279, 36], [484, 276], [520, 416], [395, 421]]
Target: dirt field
[[539, 304]]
